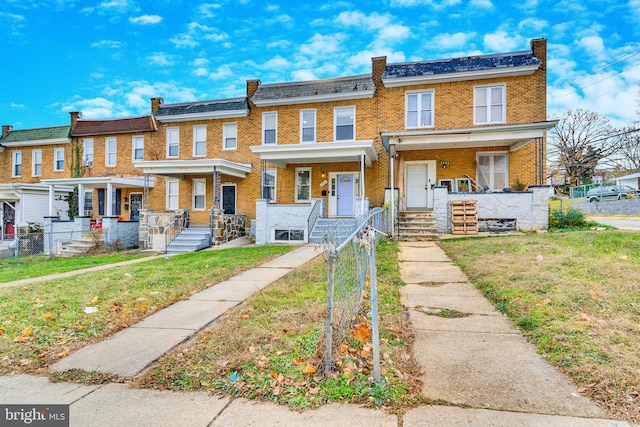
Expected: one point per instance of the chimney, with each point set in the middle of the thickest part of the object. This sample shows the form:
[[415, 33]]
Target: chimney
[[155, 105], [539, 49], [252, 88], [75, 116], [6, 129], [378, 65]]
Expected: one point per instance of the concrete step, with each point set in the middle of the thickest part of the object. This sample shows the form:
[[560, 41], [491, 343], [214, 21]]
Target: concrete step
[[418, 237], [190, 240]]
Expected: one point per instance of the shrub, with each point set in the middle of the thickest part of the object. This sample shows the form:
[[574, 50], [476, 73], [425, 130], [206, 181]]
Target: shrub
[[572, 218]]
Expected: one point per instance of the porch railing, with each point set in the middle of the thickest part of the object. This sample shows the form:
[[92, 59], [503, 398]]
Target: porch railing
[[316, 212]]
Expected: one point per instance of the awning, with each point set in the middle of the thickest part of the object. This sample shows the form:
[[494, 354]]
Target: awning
[[513, 136], [322, 152], [12, 192], [180, 168], [102, 181]]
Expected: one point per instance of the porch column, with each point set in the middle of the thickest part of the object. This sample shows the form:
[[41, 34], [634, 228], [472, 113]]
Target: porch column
[[80, 200], [52, 198], [109, 209], [392, 157], [362, 166]]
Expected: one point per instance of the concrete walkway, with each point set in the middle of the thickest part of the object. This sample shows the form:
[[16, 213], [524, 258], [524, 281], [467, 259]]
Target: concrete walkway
[[477, 361]]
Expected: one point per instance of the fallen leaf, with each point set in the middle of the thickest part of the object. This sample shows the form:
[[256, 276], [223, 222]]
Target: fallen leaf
[[314, 390], [63, 353], [309, 369], [2, 331], [361, 333], [273, 374], [94, 300], [244, 316], [27, 331], [298, 360], [276, 391], [252, 349], [47, 315]]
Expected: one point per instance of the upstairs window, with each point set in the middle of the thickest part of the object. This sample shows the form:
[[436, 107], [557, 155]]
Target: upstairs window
[[345, 123], [269, 128], [87, 152], [58, 159], [199, 141], [36, 160], [229, 136], [307, 126], [489, 104], [16, 167], [110, 146], [419, 109], [138, 148], [173, 142]]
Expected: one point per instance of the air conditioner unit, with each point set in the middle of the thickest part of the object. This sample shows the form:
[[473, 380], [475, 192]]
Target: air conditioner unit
[[87, 163]]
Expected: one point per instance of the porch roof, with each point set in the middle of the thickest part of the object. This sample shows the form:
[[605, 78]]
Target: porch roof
[[102, 181], [12, 192], [180, 168], [322, 152], [514, 136]]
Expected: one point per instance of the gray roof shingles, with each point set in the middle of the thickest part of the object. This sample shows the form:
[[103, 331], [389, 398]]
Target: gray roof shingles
[[113, 126], [202, 107], [459, 65], [37, 134], [293, 90]]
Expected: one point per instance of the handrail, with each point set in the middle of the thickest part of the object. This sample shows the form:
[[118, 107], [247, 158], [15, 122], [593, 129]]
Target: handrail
[[316, 212]]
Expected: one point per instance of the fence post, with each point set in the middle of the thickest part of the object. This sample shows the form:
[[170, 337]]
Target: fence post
[[375, 328], [328, 334]]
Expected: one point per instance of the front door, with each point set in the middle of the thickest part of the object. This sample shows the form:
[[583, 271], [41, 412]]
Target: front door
[[417, 186], [135, 204], [229, 199], [345, 195]]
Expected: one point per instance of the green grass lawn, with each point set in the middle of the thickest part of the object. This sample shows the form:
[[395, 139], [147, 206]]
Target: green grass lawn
[[576, 296], [42, 322], [41, 265]]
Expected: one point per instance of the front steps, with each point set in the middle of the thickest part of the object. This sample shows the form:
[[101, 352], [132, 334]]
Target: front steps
[[190, 239], [336, 230], [417, 226], [78, 247]]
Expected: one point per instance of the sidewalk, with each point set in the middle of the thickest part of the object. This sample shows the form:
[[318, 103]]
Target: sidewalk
[[478, 362]]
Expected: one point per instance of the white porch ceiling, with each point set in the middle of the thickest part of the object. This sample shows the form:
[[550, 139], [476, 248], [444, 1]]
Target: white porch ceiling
[[321, 152]]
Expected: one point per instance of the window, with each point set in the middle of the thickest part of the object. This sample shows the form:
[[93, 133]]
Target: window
[[287, 235], [87, 152], [419, 109], [269, 128], [491, 171], [269, 184], [303, 184], [88, 203], [199, 141], [58, 159], [16, 168], [173, 137], [489, 104], [110, 152], [307, 126], [36, 160], [345, 119], [172, 194], [229, 136], [199, 186], [138, 147]]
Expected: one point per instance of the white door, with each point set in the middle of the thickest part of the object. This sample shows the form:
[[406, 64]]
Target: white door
[[345, 195], [417, 186]]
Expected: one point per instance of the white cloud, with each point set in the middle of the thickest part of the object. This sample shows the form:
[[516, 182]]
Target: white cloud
[[20, 106], [302, 75], [222, 72], [207, 9], [93, 108], [533, 24], [161, 59], [438, 5], [146, 20], [392, 33], [277, 63], [594, 45], [359, 19], [109, 44], [199, 62], [452, 41], [114, 5], [183, 40], [500, 41], [362, 60], [481, 4], [324, 44], [279, 44], [201, 72], [197, 32]]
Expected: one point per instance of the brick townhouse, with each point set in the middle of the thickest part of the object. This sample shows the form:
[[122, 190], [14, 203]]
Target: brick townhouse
[[469, 125]]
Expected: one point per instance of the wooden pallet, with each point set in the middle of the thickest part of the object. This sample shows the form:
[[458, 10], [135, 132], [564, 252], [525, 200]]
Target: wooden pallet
[[464, 217]]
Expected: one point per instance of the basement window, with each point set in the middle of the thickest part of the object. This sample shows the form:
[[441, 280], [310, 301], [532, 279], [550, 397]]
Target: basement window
[[288, 235]]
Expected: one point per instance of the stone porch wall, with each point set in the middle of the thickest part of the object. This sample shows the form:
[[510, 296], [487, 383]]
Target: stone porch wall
[[227, 227], [158, 229]]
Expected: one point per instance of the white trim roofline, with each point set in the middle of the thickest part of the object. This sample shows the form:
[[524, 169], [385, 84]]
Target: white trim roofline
[[180, 168], [52, 141], [210, 115], [346, 96], [321, 152], [524, 70], [99, 181]]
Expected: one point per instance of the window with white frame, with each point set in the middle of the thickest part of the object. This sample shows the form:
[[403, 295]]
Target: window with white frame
[[288, 235], [229, 136], [419, 109], [269, 184], [491, 171], [110, 146], [88, 202], [87, 152], [138, 147], [303, 184], [307, 126], [489, 104], [36, 163], [199, 141], [269, 128], [199, 188], [172, 194], [173, 142], [58, 159], [16, 166], [345, 123]]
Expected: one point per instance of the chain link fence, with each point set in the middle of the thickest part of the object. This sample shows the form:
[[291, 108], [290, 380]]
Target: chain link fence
[[347, 269], [34, 243]]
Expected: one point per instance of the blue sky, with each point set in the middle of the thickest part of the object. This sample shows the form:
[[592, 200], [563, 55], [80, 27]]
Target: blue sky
[[108, 58]]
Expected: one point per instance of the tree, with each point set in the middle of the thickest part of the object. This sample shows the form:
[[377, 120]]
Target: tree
[[579, 141], [627, 159]]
